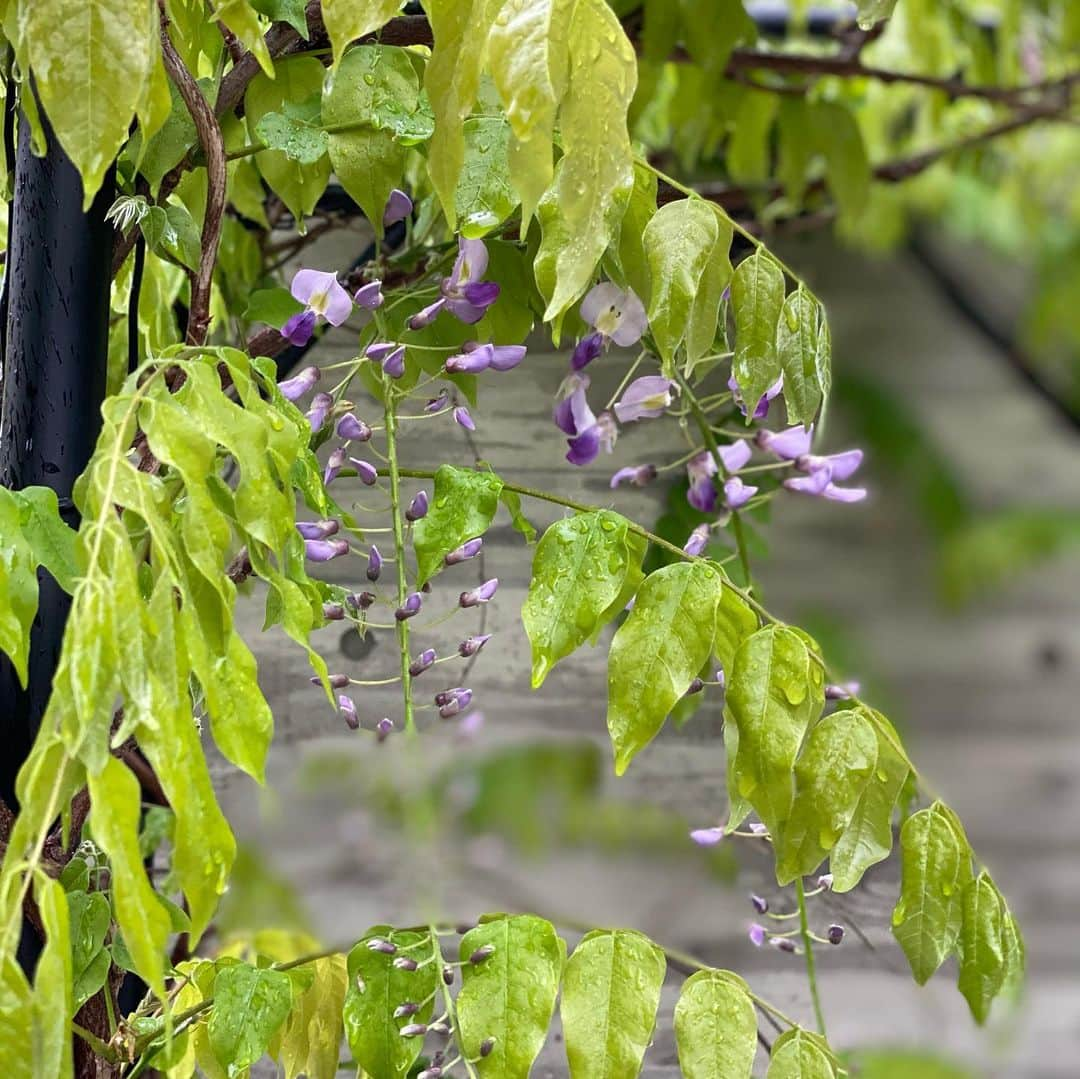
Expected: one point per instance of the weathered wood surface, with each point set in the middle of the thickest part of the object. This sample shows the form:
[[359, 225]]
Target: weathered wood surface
[[991, 722]]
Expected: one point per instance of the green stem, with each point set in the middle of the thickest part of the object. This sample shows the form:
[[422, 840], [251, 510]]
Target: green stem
[[808, 949], [448, 1001], [390, 415]]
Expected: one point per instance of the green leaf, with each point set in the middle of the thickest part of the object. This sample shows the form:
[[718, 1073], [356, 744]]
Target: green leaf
[[51, 539], [640, 208], [18, 584], [610, 994], [579, 571], [75, 51], [484, 198], [462, 507], [249, 1005], [510, 995], [16, 1021], [347, 20], [512, 501], [774, 692], [296, 79], [935, 869], [658, 651], [847, 168], [795, 147], [295, 131], [52, 1003], [706, 308], [580, 216], [735, 621], [114, 817], [679, 241], [311, 1039], [748, 149], [800, 1054], [241, 18], [757, 299], [274, 306], [836, 764], [872, 11], [290, 11], [868, 837], [798, 344], [715, 1027], [981, 945], [89, 917], [376, 988], [904, 1064], [1015, 955], [175, 136]]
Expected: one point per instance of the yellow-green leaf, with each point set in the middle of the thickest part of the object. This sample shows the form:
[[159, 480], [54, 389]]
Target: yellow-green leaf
[[715, 1027], [346, 20]]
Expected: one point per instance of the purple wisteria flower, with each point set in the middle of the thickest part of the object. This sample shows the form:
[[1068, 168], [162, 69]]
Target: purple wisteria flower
[[463, 419], [418, 507], [352, 428], [761, 409], [369, 296], [698, 540], [737, 493], [572, 415], [410, 608], [788, 445], [322, 550], [323, 297], [645, 398], [701, 468], [471, 645], [481, 594], [347, 708], [367, 472], [615, 315], [334, 464], [292, 389], [842, 691], [707, 837], [422, 662], [757, 934], [823, 471], [374, 565], [317, 529], [390, 355], [475, 357], [398, 207], [469, 549], [636, 475], [464, 293], [321, 404]]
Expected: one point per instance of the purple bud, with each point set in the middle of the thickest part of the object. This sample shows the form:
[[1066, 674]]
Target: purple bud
[[462, 417], [427, 315], [333, 612], [698, 540], [398, 207], [334, 464], [378, 944], [506, 357], [784, 944], [348, 712], [587, 349], [360, 601], [759, 903], [321, 404], [472, 362], [481, 294], [469, 549], [299, 328], [410, 608], [352, 428], [366, 472], [484, 952], [486, 1046], [418, 507], [413, 1030], [384, 728], [439, 1028], [825, 881], [460, 699], [834, 934], [707, 837], [696, 686], [317, 529], [757, 934], [380, 350], [369, 295], [448, 975], [294, 388], [471, 645], [408, 1008], [394, 364], [319, 550], [758, 828], [842, 692], [437, 404], [374, 565], [337, 681], [638, 475], [476, 596], [422, 662], [403, 962]]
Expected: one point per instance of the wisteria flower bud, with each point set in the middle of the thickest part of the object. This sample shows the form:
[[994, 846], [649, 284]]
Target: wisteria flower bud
[[418, 507], [844, 691], [413, 1030], [384, 728], [484, 952], [834, 934], [486, 1046], [784, 944], [403, 962], [410, 607], [408, 1008], [437, 403], [506, 357], [469, 549], [350, 427], [360, 601], [475, 596], [348, 712], [369, 295], [707, 837], [471, 645], [441, 1029], [433, 1072], [471, 362], [426, 315], [455, 704], [321, 404], [758, 828], [825, 881], [398, 207], [337, 681], [462, 417], [422, 662], [394, 364], [380, 350], [322, 550], [333, 612], [374, 563], [366, 472], [378, 944], [759, 903], [334, 463], [448, 975], [294, 388], [636, 475], [757, 934], [317, 529], [696, 686], [698, 540]]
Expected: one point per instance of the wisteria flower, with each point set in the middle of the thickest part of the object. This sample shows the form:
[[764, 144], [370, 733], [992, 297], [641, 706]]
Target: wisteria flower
[[737, 493], [707, 837], [572, 415], [698, 541], [292, 389], [822, 471], [323, 297], [464, 293], [701, 468], [615, 315], [636, 475], [645, 398], [398, 207], [788, 445], [761, 409]]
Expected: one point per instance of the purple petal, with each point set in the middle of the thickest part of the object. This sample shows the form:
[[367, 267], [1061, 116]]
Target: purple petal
[[707, 837], [380, 350], [294, 388], [586, 350], [471, 362], [481, 293], [757, 935], [322, 550], [471, 263], [737, 493], [462, 417], [308, 283], [369, 295], [736, 455], [840, 466], [418, 507], [585, 447], [645, 398], [334, 465], [787, 445], [813, 485], [350, 427], [398, 207], [374, 564], [367, 472], [701, 466], [437, 403], [702, 495], [698, 540], [615, 313], [321, 404], [844, 494], [299, 328], [469, 549], [506, 357], [633, 322], [317, 529], [394, 364], [426, 315], [464, 311], [348, 712], [638, 475]]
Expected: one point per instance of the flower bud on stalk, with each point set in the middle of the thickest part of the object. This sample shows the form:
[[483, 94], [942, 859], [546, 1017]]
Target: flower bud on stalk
[[317, 529], [483, 953], [348, 712], [337, 681], [469, 549], [403, 962], [422, 662], [353, 429], [292, 389], [360, 601], [384, 728], [333, 612], [334, 463], [471, 645], [476, 596], [321, 404], [367, 473], [410, 608], [418, 507], [374, 565], [319, 550]]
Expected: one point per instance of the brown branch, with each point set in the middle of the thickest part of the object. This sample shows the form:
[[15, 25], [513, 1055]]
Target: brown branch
[[213, 145]]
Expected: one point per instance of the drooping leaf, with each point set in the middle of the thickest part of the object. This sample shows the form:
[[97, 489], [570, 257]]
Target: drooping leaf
[[376, 989], [658, 651], [795, 146], [290, 11], [484, 198], [797, 343], [462, 507], [610, 994], [311, 1038], [242, 19], [847, 168], [757, 299], [50, 1045], [679, 241], [715, 1027], [18, 585], [872, 11], [346, 20], [981, 945], [707, 305], [580, 569], [735, 621], [935, 869], [640, 208], [510, 995], [868, 837], [89, 917], [1015, 955], [250, 1004], [801, 1054], [16, 1021], [832, 772], [748, 149], [774, 692]]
